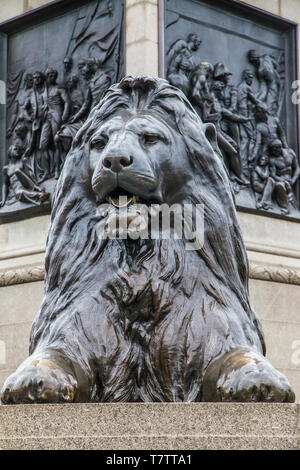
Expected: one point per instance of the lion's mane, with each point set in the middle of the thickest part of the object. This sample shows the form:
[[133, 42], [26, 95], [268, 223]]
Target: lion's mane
[[132, 301]]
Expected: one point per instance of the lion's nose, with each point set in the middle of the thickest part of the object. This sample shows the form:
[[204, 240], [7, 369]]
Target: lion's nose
[[117, 163]]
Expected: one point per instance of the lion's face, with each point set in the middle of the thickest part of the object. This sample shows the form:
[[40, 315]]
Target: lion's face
[[138, 155]]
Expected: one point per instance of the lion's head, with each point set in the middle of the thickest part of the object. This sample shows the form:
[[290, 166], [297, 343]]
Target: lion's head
[[144, 140]]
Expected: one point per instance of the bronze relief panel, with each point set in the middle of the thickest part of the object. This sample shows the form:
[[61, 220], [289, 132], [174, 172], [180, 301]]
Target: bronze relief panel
[[59, 64], [237, 66]]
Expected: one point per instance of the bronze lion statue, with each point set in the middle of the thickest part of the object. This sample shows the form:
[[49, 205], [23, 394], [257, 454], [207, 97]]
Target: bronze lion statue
[[145, 319]]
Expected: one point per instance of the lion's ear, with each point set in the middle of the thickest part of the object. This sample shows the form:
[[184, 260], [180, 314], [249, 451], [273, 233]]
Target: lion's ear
[[211, 134]]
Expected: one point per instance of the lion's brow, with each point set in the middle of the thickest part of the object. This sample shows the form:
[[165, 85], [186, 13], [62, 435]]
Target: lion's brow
[[147, 126], [109, 128]]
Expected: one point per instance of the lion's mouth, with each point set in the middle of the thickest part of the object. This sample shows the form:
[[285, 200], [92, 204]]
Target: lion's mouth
[[119, 198]]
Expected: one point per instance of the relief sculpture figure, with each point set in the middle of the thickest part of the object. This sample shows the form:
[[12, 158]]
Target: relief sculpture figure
[[227, 144], [246, 101], [181, 61], [285, 172], [269, 79], [20, 112], [145, 319], [229, 99], [96, 82], [268, 128], [56, 110], [18, 184]]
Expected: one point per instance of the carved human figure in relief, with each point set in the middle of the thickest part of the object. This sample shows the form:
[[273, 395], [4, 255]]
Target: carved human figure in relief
[[56, 110], [35, 106], [223, 74], [262, 183], [229, 98], [181, 62], [246, 101], [97, 81], [274, 176], [22, 138], [268, 128], [269, 79], [285, 171], [75, 93], [200, 93], [62, 141], [67, 67], [20, 110], [18, 184], [225, 141]]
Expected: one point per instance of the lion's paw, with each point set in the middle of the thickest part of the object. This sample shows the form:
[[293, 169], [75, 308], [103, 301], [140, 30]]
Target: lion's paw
[[245, 376], [39, 382], [258, 384]]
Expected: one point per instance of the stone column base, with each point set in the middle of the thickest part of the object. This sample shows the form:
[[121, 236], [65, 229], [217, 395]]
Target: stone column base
[[150, 426]]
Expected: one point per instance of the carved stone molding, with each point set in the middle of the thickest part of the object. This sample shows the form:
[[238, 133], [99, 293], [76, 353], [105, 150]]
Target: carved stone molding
[[274, 273], [22, 275], [256, 271]]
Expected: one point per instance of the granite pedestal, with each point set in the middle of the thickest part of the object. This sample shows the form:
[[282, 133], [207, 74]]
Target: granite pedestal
[[151, 426]]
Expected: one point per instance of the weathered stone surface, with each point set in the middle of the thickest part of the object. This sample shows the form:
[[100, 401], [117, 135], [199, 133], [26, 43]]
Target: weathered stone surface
[[16, 339], [23, 238], [20, 303], [150, 426], [142, 37], [269, 5], [10, 9], [269, 235], [30, 4]]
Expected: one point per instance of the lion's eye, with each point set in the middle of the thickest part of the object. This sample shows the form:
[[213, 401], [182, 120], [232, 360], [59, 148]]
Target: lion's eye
[[150, 139], [99, 143]]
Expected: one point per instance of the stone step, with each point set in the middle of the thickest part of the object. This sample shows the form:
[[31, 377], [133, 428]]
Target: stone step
[[150, 426]]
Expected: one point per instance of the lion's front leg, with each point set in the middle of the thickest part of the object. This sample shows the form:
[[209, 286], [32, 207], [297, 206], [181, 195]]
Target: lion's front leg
[[46, 377], [243, 375]]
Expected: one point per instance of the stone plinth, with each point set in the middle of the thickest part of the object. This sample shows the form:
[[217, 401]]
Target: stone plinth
[[155, 426]]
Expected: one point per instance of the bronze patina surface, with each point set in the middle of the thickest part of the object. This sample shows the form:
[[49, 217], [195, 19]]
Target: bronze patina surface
[[145, 319]]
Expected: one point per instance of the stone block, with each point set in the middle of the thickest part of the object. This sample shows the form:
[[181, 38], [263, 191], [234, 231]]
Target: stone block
[[272, 6], [11, 8], [24, 237], [20, 302], [141, 23], [283, 341], [163, 426], [31, 4], [270, 235], [16, 340], [130, 3], [142, 58], [275, 301], [290, 9]]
